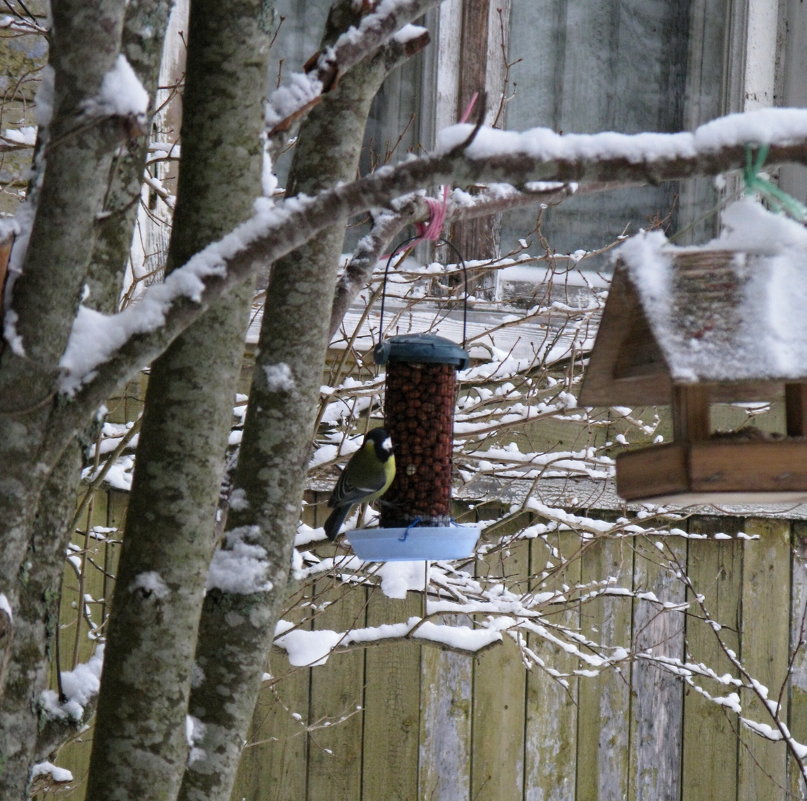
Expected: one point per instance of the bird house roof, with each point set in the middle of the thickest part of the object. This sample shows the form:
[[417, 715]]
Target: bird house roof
[[732, 313]]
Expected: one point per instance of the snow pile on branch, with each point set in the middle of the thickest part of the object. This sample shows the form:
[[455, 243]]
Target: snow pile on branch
[[121, 94], [241, 566], [290, 98], [305, 647], [79, 686], [761, 127], [57, 774]]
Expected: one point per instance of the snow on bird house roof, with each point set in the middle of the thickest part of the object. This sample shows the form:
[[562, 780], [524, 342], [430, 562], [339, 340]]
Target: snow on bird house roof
[[731, 313]]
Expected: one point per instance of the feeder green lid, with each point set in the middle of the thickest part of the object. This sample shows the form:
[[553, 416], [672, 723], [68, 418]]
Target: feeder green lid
[[421, 349]]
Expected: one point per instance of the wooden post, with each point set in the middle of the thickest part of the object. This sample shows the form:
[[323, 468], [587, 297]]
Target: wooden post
[[690, 412], [765, 641], [796, 409], [483, 71], [710, 742]]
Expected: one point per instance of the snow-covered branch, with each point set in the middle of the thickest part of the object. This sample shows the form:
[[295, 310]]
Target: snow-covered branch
[[310, 648], [304, 90], [71, 711], [492, 156]]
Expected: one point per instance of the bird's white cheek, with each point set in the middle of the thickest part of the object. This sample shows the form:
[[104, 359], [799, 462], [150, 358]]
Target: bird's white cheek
[[387, 445]]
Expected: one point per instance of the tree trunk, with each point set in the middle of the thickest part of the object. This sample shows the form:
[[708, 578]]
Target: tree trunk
[[36, 623], [27, 739], [142, 43], [54, 266], [140, 728], [237, 625]]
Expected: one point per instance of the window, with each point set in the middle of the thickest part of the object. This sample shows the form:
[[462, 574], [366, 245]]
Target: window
[[615, 65], [578, 66]]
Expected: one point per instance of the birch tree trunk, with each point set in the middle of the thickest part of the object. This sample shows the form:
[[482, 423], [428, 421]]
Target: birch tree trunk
[[143, 37], [36, 627], [140, 744], [36, 498]]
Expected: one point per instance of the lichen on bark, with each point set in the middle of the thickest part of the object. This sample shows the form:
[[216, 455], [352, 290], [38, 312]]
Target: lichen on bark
[[171, 522], [278, 429]]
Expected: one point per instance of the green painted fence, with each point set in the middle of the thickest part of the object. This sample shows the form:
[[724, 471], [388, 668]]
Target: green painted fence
[[405, 721]]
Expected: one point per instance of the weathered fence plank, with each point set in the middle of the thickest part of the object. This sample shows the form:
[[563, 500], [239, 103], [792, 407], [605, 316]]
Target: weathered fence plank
[[798, 640], [445, 726], [602, 743], [273, 764], [391, 708], [551, 708], [85, 582], [97, 560], [710, 745], [656, 710], [497, 766], [337, 694], [764, 650]]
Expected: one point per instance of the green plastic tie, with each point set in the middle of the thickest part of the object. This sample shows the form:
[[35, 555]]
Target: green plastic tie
[[778, 199]]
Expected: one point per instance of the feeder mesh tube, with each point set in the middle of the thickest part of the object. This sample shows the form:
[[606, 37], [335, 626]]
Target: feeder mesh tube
[[419, 416]]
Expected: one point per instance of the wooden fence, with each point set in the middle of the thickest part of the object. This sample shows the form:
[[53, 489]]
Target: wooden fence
[[405, 721], [418, 723]]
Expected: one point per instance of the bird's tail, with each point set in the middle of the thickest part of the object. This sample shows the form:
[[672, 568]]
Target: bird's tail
[[335, 520]]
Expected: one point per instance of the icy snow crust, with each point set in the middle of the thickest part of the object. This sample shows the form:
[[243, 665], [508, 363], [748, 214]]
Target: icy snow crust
[[767, 338]]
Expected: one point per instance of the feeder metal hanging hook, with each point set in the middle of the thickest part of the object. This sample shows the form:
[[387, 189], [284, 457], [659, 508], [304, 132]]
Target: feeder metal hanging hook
[[401, 247]]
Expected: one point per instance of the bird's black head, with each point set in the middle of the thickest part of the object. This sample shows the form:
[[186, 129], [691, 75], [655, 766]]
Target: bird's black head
[[381, 441]]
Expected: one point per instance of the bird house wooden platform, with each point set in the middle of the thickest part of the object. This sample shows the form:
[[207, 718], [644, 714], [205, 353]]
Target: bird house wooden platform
[[692, 327]]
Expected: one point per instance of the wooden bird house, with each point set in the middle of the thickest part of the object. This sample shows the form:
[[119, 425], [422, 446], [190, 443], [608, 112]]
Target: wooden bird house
[[690, 328]]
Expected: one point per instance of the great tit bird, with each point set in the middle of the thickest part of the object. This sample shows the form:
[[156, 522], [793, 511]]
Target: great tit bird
[[366, 477]]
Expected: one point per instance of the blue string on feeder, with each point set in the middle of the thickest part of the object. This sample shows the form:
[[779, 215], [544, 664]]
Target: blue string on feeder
[[420, 397]]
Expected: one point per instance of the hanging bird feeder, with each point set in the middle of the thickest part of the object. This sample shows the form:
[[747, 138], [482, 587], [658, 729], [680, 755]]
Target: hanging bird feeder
[[693, 327], [420, 396]]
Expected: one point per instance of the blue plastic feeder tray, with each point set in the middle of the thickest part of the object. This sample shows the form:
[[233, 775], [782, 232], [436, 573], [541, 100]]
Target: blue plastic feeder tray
[[417, 543]]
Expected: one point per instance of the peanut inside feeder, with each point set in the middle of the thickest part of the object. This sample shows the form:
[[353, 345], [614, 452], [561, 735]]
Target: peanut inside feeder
[[421, 390]]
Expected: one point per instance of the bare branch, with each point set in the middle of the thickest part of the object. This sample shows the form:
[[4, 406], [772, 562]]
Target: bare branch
[[410, 210]]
